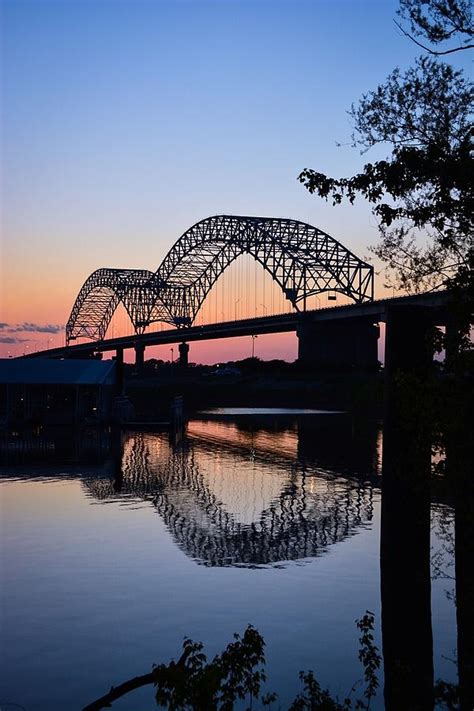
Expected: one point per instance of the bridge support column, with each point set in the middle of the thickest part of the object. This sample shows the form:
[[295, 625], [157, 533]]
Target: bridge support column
[[119, 370], [183, 355], [338, 344], [405, 520], [139, 357], [405, 569], [407, 344]]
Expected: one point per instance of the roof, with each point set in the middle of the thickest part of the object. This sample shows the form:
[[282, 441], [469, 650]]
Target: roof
[[47, 371]]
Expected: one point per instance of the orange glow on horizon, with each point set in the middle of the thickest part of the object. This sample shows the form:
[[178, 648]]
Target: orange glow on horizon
[[244, 290]]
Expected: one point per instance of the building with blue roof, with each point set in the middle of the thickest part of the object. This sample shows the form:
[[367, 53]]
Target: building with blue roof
[[56, 392]]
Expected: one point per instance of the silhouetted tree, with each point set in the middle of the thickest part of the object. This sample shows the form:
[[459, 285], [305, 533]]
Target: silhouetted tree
[[424, 187], [193, 683], [438, 21]]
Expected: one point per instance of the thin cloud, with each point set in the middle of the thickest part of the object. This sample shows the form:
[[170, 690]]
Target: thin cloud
[[4, 325], [28, 327], [12, 339]]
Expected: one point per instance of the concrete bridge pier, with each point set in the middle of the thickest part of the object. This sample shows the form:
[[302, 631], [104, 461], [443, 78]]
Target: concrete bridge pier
[[405, 581], [408, 346], [183, 354], [338, 344], [405, 521], [119, 370], [139, 356]]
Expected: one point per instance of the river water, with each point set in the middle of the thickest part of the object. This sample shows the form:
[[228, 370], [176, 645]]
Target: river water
[[262, 517]]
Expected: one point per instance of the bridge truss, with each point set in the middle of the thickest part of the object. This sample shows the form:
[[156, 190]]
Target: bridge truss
[[302, 259]]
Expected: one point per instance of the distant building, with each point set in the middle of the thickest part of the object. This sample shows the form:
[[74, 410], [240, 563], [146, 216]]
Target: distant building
[[56, 392]]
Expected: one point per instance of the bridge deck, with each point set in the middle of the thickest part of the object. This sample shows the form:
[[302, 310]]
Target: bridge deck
[[374, 311]]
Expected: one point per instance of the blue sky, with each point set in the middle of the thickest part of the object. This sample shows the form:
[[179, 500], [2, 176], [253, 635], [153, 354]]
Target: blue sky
[[126, 122]]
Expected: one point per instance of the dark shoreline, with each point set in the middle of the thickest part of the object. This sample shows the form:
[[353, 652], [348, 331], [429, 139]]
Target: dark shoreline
[[330, 392]]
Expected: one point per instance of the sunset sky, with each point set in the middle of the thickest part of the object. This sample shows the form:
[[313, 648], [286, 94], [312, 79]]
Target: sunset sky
[[124, 123]]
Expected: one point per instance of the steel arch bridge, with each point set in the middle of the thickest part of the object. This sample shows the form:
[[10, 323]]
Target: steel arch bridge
[[302, 259]]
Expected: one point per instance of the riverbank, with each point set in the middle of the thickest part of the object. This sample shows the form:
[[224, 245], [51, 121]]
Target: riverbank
[[152, 393]]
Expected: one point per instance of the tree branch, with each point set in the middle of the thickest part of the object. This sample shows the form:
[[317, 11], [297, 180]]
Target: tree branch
[[136, 683], [117, 691], [437, 53]]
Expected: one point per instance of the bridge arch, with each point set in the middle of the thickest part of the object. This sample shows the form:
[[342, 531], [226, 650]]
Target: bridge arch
[[302, 259], [100, 296]]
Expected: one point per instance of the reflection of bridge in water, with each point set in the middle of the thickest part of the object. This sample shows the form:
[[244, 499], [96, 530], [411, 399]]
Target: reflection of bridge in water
[[231, 497]]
